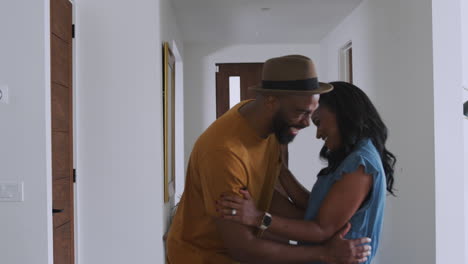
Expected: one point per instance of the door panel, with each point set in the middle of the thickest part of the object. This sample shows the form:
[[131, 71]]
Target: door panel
[[250, 75], [61, 202], [61, 163], [60, 61], [62, 130], [61, 19], [63, 244], [60, 107], [222, 93]]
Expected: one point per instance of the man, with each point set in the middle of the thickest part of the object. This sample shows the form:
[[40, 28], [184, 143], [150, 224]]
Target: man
[[242, 150]]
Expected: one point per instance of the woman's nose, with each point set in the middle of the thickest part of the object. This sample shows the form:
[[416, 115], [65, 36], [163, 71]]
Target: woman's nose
[[305, 122]]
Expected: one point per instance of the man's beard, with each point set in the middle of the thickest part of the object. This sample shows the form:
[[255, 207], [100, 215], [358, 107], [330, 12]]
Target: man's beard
[[281, 128]]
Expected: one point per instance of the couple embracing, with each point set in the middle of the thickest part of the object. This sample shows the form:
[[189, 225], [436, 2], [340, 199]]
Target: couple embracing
[[230, 211]]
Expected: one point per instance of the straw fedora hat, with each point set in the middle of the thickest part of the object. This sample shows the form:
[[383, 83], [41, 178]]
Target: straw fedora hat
[[292, 74]]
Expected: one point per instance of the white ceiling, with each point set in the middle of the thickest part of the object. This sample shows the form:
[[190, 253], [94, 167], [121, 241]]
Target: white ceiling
[[244, 21]]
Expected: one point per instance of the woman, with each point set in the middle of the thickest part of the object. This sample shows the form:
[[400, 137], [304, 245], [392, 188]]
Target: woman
[[352, 188]]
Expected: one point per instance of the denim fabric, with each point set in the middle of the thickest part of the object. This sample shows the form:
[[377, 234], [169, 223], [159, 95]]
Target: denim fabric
[[368, 220]]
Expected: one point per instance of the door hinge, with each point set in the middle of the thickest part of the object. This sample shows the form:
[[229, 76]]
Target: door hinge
[[73, 30], [74, 175], [217, 68]]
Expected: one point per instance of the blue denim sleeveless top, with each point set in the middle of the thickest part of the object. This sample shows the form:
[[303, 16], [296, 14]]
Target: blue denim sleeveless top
[[368, 220]]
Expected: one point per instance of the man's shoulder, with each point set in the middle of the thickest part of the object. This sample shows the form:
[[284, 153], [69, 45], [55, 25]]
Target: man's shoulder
[[220, 148], [224, 133]]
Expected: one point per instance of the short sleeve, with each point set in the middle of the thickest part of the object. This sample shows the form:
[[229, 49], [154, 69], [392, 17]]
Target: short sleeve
[[352, 163], [221, 171]]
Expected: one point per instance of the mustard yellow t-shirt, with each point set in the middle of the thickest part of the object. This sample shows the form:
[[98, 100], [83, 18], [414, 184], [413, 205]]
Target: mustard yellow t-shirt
[[228, 156]]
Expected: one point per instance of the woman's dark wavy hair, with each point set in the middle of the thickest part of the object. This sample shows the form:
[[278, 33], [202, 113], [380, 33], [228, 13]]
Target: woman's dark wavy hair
[[357, 119]]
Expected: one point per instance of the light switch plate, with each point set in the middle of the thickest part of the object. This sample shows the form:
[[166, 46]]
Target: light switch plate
[[4, 94], [11, 192]]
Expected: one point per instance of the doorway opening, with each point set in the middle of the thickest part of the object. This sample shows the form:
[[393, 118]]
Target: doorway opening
[[346, 62]]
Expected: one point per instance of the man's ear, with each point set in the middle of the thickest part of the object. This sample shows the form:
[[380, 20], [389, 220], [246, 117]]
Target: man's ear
[[272, 102]]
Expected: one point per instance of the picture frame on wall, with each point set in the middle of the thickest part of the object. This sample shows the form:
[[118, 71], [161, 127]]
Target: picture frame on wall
[[169, 121]]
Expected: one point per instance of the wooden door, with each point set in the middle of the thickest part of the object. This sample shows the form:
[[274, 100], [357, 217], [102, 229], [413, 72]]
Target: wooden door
[[250, 74], [62, 130]]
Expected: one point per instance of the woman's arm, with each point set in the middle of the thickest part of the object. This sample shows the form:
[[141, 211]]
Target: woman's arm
[[343, 200], [282, 206], [298, 194]]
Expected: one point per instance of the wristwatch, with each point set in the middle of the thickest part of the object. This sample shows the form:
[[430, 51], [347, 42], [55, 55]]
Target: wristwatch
[[266, 221]]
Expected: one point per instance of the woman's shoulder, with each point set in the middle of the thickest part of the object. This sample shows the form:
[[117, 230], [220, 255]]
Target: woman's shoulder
[[365, 148], [365, 154]]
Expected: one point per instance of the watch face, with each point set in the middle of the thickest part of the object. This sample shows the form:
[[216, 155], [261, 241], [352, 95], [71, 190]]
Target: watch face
[[267, 220]]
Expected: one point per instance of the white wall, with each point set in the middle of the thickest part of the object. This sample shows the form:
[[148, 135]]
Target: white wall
[[170, 33], [392, 55], [448, 124], [464, 27], [465, 158], [121, 214], [25, 152], [200, 96]]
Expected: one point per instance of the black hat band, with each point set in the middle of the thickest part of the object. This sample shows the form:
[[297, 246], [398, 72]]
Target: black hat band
[[298, 85]]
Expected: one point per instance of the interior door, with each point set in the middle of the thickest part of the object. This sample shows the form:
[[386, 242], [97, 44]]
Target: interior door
[[62, 130], [250, 74]]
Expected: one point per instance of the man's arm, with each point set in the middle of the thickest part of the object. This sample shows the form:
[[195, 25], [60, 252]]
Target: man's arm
[[223, 172], [243, 246], [341, 203], [298, 194], [282, 206]]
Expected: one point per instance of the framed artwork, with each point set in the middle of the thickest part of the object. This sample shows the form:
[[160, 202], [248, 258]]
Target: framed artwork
[[169, 121]]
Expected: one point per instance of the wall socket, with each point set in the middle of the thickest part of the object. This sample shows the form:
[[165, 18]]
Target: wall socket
[[4, 94]]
